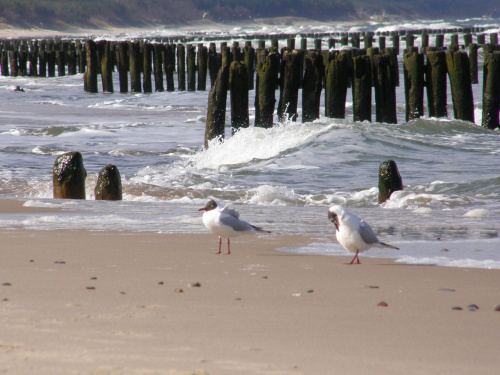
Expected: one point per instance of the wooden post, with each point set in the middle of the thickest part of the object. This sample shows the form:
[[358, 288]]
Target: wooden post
[[122, 61], [181, 67], [42, 59], [169, 62], [147, 59], [82, 57], [439, 40], [71, 59], [362, 88], [202, 67], [461, 87], [238, 82], [109, 184], [312, 85], [289, 86], [381, 43], [5, 63], [337, 79], [191, 67], [135, 66], [473, 62], [214, 63], [249, 52], [216, 110], [435, 77], [103, 52], [90, 76], [267, 80], [394, 63], [385, 89], [491, 90], [389, 180], [395, 43], [414, 85], [68, 176], [51, 61], [158, 49]]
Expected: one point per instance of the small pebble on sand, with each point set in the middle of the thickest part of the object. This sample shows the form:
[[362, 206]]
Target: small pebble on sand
[[383, 304], [457, 308], [178, 290], [473, 307], [194, 285]]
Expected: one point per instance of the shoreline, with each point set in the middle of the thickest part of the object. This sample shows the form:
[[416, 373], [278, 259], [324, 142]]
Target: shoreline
[[111, 302]]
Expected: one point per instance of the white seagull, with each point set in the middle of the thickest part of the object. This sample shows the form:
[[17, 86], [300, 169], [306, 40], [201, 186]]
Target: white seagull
[[225, 222], [353, 233]]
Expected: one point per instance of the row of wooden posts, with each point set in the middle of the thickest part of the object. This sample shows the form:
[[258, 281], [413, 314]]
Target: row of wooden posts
[[69, 175]]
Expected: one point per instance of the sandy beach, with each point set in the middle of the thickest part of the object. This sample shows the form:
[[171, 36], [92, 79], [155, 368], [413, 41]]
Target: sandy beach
[[81, 302]]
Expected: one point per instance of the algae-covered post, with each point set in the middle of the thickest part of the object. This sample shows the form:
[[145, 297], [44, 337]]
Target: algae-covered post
[[135, 66], [216, 109], [473, 47], [461, 88], [214, 63], [238, 83], [181, 67], [414, 84], [147, 59], [362, 88], [389, 180], [337, 79], [42, 59], [122, 62], [435, 77], [90, 76], [109, 184], [491, 90], [70, 57], [289, 86], [249, 53], [68, 176], [267, 80], [202, 66], [191, 67], [158, 52], [169, 63], [385, 89], [104, 54], [312, 85]]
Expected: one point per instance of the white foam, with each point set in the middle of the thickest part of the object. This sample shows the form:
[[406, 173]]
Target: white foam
[[477, 213]]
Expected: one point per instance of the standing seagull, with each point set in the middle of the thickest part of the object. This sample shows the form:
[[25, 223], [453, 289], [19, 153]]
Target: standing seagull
[[225, 222], [353, 233]]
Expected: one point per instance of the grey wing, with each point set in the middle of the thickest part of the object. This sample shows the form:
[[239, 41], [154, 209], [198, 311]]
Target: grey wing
[[367, 234], [230, 211], [235, 223]]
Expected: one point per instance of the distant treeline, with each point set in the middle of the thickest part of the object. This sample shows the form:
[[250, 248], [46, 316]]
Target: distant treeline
[[60, 14]]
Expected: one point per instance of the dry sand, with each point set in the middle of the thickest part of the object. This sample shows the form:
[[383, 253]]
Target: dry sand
[[79, 302]]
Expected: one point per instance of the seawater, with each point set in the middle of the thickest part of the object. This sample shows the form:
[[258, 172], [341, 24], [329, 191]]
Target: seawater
[[282, 178]]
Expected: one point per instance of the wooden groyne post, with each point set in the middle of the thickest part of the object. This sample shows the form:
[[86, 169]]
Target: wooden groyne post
[[435, 77], [90, 76], [414, 85], [158, 57], [389, 180], [202, 67], [337, 79], [238, 83], [122, 62], [312, 86], [267, 80], [191, 67], [169, 62], [461, 88], [147, 59], [68, 176], [385, 89], [216, 111], [491, 90], [289, 85], [104, 54], [362, 88], [181, 67], [135, 66], [109, 184]]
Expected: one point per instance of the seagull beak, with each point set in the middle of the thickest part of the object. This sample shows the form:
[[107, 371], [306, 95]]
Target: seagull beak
[[202, 209]]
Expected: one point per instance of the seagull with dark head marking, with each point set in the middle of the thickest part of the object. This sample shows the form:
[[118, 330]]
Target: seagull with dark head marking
[[353, 233], [225, 222]]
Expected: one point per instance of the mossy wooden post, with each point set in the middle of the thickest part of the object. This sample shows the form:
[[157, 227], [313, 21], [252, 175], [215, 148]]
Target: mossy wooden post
[[181, 67], [337, 80], [267, 80], [435, 78], [42, 59], [344, 40], [169, 63], [33, 58], [147, 59], [385, 90], [82, 56], [473, 63], [135, 66], [368, 41], [238, 83], [90, 76], [216, 110], [481, 39], [355, 41], [394, 63], [214, 63], [71, 59], [414, 85], [312, 85], [14, 67], [425, 41], [68, 176], [410, 40], [202, 67], [191, 67], [461, 88], [122, 61], [491, 90], [109, 184], [249, 58], [237, 55], [104, 56], [467, 40], [289, 86], [275, 43], [439, 40], [494, 38], [395, 43], [317, 44], [389, 180], [158, 49], [5, 63], [51, 62], [60, 59], [381, 43], [362, 89]]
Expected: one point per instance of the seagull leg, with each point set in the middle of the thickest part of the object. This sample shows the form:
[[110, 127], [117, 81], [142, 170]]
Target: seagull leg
[[228, 246], [355, 258], [220, 244]]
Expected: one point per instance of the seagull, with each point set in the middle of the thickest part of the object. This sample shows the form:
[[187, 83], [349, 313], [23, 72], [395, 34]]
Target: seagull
[[353, 233], [225, 222]]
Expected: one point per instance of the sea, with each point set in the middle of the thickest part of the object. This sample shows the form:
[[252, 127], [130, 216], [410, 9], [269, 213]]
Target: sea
[[283, 178]]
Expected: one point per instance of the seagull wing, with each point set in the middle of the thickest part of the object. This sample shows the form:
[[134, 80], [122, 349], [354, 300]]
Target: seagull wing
[[367, 233], [235, 223], [230, 211]]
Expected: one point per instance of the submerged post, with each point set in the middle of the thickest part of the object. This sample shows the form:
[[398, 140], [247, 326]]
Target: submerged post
[[68, 176], [389, 180], [109, 184], [216, 110]]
